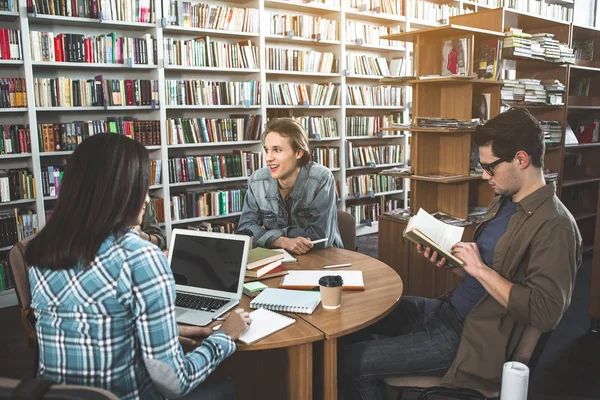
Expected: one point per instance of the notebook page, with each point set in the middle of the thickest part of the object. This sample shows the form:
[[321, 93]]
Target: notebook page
[[264, 323], [441, 233], [288, 300], [311, 278]]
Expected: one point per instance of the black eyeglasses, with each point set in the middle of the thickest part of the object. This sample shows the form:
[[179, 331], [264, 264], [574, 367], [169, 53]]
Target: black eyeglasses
[[489, 168]]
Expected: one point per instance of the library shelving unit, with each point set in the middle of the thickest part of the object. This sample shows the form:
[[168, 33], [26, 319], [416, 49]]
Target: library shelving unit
[[581, 167], [167, 26], [17, 115], [580, 191], [438, 152], [501, 19]]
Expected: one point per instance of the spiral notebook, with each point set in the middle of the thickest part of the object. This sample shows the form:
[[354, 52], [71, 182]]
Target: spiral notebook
[[264, 323], [298, 301]]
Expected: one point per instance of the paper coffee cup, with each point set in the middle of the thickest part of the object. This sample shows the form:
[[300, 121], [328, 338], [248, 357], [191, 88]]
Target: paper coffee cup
[[331, 291]]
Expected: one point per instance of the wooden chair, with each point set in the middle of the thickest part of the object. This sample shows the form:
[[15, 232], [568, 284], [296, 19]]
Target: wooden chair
[[20, 272], [528, 352], [34, 389], [347, 227]]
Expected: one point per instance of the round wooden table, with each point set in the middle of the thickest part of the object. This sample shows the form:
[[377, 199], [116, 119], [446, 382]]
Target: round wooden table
[[291, 358]]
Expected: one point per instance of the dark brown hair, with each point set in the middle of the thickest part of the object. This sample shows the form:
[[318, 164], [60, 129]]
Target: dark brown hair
[[102, 193], [511, 131]]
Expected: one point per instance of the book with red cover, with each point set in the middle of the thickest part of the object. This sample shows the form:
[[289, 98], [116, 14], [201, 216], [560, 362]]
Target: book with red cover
[[129, 91]]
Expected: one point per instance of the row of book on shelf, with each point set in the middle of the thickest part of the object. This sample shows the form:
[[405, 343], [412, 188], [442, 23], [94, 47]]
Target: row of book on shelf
[[101, 92], [9, 5], [197, 52], [96, 92], [369, 184], [533, 91], [206, 52], [237, 164], [202, 92], [213, 16], [365, 156], [10, 44], [282, 59], [15, 139], [326, 156], [16, 184], [303, 26], [303, 94], [66, 136], [377, 6], [110, 48], [16, 225], [238, 127], [537, 46], [110, 10], [12, 93], [207, 204]]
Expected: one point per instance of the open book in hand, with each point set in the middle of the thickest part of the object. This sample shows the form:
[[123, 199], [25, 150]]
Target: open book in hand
[[426, 230]]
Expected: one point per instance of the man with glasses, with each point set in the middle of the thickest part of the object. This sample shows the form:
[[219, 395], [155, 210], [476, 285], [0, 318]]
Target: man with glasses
[[518, 271]]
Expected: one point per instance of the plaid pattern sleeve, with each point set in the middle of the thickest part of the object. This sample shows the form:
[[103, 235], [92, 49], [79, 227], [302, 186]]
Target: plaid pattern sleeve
[[157, 331], [112, 325]]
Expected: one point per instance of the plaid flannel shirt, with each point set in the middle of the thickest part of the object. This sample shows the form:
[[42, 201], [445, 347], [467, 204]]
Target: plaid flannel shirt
[[111, 324]]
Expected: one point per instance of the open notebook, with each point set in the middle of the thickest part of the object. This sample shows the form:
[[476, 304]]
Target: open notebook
[[309, 279], [299, 301], [264, 323]]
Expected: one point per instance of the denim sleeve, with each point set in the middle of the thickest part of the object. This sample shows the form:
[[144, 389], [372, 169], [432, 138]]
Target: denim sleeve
[[323, 212], [250, 220], [153, 287]]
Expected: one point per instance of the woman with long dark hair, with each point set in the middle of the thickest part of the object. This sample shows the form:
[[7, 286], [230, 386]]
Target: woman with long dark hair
[[104, 298]]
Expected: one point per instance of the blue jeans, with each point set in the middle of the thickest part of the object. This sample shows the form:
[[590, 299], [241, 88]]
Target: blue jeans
[[419, 337]]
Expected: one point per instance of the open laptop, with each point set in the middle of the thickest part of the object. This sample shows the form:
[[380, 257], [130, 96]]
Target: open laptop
[[209, 270]]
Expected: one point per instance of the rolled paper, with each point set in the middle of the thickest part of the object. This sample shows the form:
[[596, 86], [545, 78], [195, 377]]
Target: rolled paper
[[515, 381]]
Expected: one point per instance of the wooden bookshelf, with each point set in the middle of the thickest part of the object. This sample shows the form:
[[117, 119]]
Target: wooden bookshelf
[[438, 152], [163, 29]]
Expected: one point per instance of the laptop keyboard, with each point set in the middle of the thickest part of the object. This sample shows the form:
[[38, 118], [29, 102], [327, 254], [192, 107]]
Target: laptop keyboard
[[197, 302]]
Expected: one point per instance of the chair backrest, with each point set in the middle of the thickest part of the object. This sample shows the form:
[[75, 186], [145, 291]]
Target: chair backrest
[[33, 389], [530, 347], [20, 272], [347, 227]]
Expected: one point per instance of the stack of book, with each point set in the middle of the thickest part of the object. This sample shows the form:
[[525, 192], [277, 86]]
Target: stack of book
[[555, 91], [534, 91], [512, 90], [517, 43], [567, 56], [552, 132], [264, 263], [447, 123], [549, 45]]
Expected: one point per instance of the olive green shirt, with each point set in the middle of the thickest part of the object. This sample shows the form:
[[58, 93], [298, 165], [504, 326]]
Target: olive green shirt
[[539, 253], [150, 226]]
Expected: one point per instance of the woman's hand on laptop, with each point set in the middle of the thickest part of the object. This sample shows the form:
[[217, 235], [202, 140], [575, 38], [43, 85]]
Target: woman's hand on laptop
[[191, 336], [237, 322]]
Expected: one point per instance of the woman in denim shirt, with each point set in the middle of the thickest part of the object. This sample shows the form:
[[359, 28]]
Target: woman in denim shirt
[[293, 200]]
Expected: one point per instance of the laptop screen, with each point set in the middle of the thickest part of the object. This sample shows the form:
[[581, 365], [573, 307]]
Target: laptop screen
[[207, 262]]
